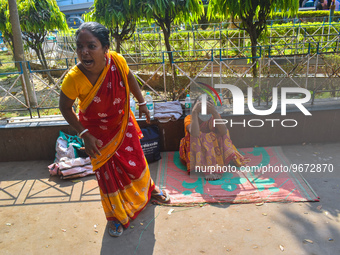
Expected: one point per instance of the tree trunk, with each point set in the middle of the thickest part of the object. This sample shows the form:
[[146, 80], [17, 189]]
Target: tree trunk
[[253, 39], [42, 59], [30, 96], [118, 43], [166, 33], [10, 41], [167, 45], [173, 72]]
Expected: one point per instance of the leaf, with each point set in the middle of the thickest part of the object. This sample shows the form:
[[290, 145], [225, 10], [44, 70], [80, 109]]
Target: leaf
[[308, 241]]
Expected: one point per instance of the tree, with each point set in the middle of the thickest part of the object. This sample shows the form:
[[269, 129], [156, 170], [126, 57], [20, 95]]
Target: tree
[[253, 15], [165, 13], [119, 16], [203, 20], [37, 17]]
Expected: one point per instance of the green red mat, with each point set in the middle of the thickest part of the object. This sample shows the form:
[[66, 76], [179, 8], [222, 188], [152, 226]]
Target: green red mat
[[237, 186]]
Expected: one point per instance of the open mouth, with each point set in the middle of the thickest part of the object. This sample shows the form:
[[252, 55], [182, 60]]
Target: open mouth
[[87, 62]]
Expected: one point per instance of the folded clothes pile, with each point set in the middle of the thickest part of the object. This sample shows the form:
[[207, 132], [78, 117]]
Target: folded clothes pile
[[167, 111]]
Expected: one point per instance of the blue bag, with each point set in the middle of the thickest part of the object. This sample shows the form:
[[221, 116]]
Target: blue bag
[[151, 143]]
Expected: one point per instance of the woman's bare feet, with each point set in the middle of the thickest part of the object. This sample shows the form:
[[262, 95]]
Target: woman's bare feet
[[213, 177]]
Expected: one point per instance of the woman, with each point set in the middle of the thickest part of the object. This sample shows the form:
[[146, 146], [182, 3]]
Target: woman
[[102, 82], [321, 5], [206, 145], [324, 4]]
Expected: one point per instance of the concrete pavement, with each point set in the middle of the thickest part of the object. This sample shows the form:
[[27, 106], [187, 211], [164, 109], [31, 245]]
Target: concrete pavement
[[40, 214]]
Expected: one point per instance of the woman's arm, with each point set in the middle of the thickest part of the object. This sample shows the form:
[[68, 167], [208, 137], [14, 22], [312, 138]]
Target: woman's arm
[[222, 129], [91, 143], [134, 88], [194, 128]]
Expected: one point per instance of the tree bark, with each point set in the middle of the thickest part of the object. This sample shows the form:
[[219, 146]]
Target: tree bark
[[10, 43], [118, 43], [253, 40], [166, 32], [44, 64], [30, 96]]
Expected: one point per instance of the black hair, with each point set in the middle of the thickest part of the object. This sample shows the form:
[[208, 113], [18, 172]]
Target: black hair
[[98, 30]]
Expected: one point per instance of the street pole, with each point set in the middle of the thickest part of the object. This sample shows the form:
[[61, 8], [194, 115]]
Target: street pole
[[19, 55]]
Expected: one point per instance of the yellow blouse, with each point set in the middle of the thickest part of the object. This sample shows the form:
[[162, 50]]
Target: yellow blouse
[[76, 84]]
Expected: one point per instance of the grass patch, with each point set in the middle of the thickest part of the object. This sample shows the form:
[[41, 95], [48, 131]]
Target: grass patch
[[7, 64], [25, 113], [12, 114], [6, 56], [49, 112], [325, 95]]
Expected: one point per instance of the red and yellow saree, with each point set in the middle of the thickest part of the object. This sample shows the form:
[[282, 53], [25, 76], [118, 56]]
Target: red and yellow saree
[[121, 170]]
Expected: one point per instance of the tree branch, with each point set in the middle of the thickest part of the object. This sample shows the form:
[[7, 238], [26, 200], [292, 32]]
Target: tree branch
[[237, 26]]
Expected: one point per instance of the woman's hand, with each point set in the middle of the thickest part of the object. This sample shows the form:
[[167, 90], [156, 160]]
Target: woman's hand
[[92, 145], [144, 109], [197, 108], [211, 108]]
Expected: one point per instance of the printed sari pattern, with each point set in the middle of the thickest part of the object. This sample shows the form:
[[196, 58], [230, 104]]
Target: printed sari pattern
[[209, 148], [122, 171]]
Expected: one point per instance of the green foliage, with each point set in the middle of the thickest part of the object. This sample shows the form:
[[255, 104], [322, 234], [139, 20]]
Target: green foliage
[[112, 13], [257, 8], [5, 24], [4, 15], [305, 14], [6, 66], [173, 11], [253, 15], [165, 13], [282, 37], [119, 16], [204, 21], [38, 16]]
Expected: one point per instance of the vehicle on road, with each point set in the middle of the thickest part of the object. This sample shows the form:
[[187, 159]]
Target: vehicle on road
[[74, 21]]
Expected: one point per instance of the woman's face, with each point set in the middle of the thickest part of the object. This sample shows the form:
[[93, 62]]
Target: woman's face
[[90, 52], [210, 107], [205, 117]]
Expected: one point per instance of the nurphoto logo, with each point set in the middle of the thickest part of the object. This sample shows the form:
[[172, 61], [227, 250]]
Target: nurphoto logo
[[238, 106]]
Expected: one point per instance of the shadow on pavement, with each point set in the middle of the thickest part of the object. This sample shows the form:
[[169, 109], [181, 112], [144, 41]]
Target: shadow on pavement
[[139, 238], [316, 228]]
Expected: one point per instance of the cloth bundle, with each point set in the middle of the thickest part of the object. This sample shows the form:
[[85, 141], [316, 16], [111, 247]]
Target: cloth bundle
[[68, 168], [70, 160], [167, 111]]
